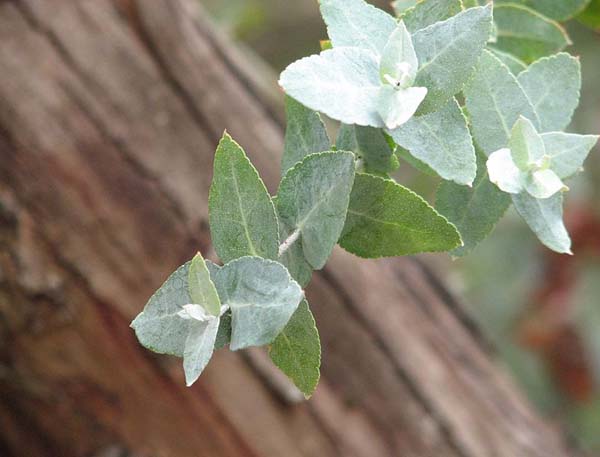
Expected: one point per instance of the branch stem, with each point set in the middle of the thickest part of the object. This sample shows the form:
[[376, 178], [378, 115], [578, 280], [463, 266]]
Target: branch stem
[[288, 242]]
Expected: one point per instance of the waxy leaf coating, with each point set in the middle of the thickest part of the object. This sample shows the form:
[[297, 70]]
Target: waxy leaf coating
[[442, 141], [241, 213], [552, 85], [262, 297], [386, 219], [448, 52], [312, 200]]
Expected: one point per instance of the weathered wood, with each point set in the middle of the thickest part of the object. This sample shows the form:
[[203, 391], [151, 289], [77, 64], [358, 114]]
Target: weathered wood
[[109, 115]]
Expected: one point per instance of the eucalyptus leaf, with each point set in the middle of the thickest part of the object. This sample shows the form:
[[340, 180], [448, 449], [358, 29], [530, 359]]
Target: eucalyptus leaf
[[568, 151], [475, 211], [297, 350], [386, 219], [199, 347], [312, 200], [448, 52], [427, 12], [370, 145], [553, 85], [241, 213], [494, 101], [262, 297], [526, 145], [305, 134], [293, 258], [514, 64], [526, 33], [442, 141], [355, 23], [158, 327], [201, 288], [544, 217], [342, 83], [559, 10]]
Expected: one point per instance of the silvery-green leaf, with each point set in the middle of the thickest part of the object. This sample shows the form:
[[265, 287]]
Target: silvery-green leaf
[[473, 210], [504, 173], [396, 106], [342, 83], [526, 145], [201, 288], [262, 297], [386, 219], [399, 56], [356, 23], [297, 350], [568, 151], [293, 258], [495, 100], [158, 327], [428, 12], [527, 34], [305, 134], [371, 145], [553, 85], [199, 346], [514, 64], [400, 6], [442, 141], [241, 213], [544, 184], [544, 217], [313, 199], [448, 52], [560, 10]]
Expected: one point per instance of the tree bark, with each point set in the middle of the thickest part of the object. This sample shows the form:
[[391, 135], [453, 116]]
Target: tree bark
[[110, 112]]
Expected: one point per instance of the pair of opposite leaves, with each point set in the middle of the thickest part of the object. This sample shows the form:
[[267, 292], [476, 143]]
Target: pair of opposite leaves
[[377, 74]]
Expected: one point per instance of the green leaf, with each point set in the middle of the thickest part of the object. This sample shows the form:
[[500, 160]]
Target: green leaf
[[442, 141], [428, 12], [355, 23], [504, 172], [201, 288], [473, 210], [544, 184], [158, 327], [400, 6], [527, 34], [293, 258], [297, 350], [448, 52], [370, 145], [526, 145], [342, 83], [262, 297], [312, 202], [305, 134], [495, 100], [169, 323], [241, 213], [568, 151], [591, 15], [397, 106], [514, 64], [560, 10], [386, 219], [553, 85], [399, 50], [544, 217], [199, 346], [224, 333]]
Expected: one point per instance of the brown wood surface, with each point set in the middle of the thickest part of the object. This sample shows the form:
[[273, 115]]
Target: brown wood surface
[[109, 115]]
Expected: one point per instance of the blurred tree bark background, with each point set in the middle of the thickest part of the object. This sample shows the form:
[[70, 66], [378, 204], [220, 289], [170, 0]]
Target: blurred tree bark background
[[110, 111]]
